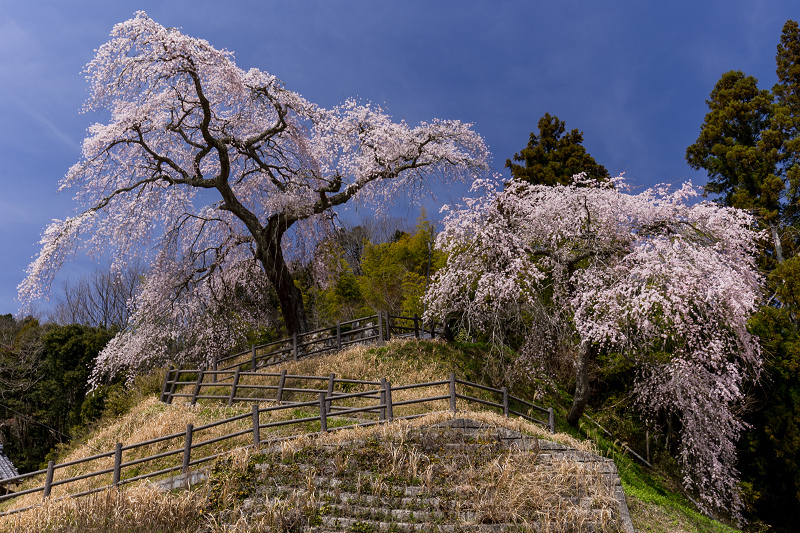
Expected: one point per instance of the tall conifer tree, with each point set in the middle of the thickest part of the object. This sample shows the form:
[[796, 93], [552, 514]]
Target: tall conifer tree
[[553, 156], [749, 144]]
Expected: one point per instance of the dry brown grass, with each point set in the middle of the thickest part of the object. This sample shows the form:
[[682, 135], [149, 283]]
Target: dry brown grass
[[398, 428], [151, 419], [364, 362], [491, 487], [148, 420], [358, 362], [141, 509], [277, 516], [509, 489], [361, 362], [515, 489], [512, 487]]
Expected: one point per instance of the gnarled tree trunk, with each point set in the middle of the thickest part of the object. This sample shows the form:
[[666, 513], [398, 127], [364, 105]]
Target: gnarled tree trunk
[[581, 397], [270, 254]]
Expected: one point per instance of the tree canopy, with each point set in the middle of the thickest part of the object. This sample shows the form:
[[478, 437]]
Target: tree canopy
[[100, 299], [388, 276], [749, 144], [786, 115], [217, 176], [554, 156], [666, 283], [734, 146], [43, 384]]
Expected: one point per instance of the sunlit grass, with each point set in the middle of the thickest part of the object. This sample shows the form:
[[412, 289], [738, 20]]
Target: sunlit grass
[[653, 507]]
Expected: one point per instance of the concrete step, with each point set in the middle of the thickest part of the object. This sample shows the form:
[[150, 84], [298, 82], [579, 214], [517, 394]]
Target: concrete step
[[366, 526], [365, 500]]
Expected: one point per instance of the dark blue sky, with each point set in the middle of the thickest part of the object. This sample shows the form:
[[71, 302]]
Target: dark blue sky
[[633, 76]]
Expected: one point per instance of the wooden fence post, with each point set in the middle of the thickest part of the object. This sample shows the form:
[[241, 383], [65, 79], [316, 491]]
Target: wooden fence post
[[295, 349], [382, 415], [256, 427], [505, 402], [174, 385], [187, 448], [453, 392], [197, 386], [416, 326], [214, 368], [339, 336], [164, 386], [48, 480], [389, 408], [234, 385], [551, 419], [253, 358], [279, 395], [117, 464], [329, 403], [323, 415], [380, 328]]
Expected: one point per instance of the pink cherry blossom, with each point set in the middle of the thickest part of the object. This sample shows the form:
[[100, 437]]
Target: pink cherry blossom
[[207, 171], [637, 274]]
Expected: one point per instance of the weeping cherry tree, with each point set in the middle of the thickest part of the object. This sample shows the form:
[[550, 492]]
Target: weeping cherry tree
[[666, 283], [216, 175]]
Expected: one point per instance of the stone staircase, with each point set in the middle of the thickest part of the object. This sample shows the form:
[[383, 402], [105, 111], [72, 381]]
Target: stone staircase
[[457, 475]]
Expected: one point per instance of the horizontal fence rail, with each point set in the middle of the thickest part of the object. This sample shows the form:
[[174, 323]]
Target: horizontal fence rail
[[323, 408], [377, 328], [318, 398]]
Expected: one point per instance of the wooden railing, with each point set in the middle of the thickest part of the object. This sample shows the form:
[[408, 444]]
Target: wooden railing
[[377, 328], [225, 384], [326, 404]]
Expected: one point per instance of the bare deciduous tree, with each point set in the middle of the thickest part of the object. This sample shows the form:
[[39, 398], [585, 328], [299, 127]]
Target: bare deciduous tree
[[101, 299]]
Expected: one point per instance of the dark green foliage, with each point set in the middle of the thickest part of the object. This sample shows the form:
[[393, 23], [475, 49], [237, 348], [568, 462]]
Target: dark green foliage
[[48, 366], [554, 156], [750, 145], [736, 149], [70, 352], [784, 282], [786, 117], [770, 452], [394, 273], [343, 299]]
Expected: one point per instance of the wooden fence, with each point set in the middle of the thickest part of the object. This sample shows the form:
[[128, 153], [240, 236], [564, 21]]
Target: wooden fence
[[377, 328], [327, 405], [371, 406]]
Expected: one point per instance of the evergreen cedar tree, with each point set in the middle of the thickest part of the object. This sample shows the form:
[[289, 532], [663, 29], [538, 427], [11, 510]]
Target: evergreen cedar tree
[[666, 283], [749, 144], [553, 157], [740, 152], [219, 176]]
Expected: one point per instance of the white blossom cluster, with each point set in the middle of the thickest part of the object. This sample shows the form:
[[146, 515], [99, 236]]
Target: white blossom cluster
[[667, 283], [205, 170]]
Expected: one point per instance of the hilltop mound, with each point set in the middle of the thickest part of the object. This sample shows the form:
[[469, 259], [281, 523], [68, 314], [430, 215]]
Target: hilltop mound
[[394, 477], [444, 472]]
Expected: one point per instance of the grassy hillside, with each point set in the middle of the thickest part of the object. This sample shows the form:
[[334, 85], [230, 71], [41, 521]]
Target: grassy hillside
[[653, 497]]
